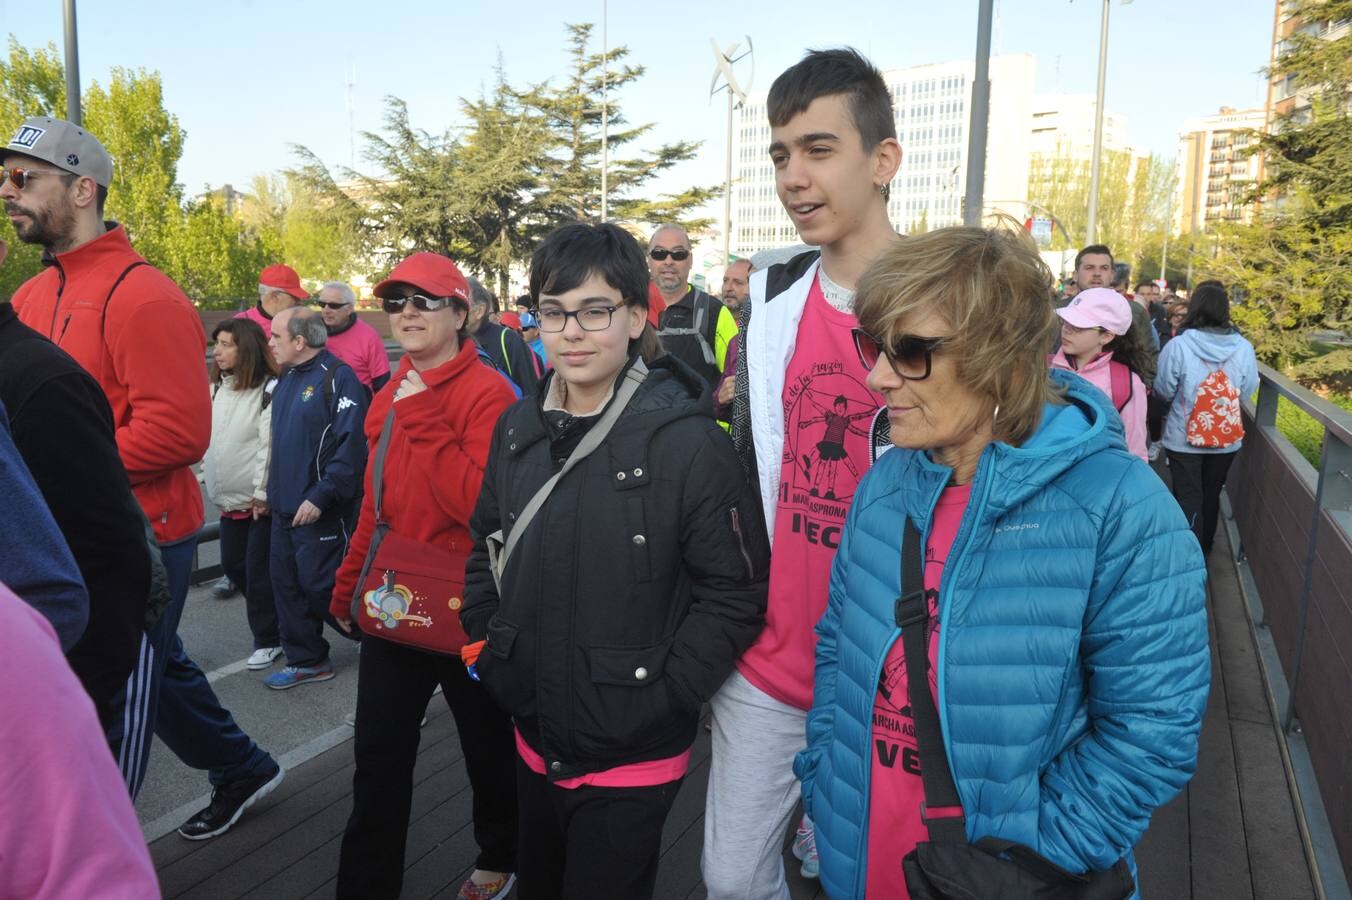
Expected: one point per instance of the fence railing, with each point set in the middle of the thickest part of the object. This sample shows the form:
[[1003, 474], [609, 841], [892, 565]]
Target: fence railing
[[1295, 525]]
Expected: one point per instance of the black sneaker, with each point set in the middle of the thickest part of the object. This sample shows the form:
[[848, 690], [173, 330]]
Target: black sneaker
[[228, 803]]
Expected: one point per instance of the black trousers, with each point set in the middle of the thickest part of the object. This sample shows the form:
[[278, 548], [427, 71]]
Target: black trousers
[[1197, 480], [587, 842], [305, 559], [393, 686], [246, 548], [1156, 410]]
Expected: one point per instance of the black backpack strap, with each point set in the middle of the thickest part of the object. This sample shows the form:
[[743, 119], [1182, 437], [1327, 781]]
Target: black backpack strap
[[103, 315], [942, 810]]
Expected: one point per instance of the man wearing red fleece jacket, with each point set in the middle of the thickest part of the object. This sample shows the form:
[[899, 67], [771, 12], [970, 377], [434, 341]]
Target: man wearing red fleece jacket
[[130, 327]]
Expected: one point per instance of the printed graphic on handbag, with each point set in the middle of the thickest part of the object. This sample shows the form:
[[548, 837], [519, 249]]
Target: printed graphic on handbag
[[409, 592]]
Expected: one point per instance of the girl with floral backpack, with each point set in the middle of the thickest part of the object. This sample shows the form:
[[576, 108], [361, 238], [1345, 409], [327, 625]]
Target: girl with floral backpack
[[1204, 373]]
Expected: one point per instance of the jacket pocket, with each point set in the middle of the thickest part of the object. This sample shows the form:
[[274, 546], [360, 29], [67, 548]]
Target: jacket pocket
[[629, 707], [506, 678]]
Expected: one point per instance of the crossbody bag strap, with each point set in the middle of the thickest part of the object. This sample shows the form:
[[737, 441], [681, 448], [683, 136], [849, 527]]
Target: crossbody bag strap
[[377, 494], [590, 441], [942, 810]]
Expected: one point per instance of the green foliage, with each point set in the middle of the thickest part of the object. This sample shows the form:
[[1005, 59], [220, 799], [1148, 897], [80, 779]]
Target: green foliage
[[209, 253], [1133, 200], [292, 221], [1292, 269], [1303, 430]]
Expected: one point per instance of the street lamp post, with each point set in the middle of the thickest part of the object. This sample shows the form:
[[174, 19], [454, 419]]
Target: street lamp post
[[1095, 164], [605, 112], [981, 101], [72, 66]]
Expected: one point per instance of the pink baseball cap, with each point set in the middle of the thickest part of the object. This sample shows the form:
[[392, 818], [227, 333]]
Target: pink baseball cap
[[1098, 308]]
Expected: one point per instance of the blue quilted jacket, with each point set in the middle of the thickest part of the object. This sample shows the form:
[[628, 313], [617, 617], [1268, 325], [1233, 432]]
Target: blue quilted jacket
[[1073, 659]]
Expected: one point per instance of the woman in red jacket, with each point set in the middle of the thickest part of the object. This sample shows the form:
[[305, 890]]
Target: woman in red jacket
[[445, 405]]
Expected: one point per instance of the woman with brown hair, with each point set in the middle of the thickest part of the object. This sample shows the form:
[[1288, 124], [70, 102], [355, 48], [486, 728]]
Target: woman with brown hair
[[1058, 621], [236, 472]]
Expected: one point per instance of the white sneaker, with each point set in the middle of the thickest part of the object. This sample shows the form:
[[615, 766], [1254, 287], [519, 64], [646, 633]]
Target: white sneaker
[[263, 657], [1154, 450], [350, 720]]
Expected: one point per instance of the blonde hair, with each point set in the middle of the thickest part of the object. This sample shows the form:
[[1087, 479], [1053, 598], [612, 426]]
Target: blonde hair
[[994, 291]]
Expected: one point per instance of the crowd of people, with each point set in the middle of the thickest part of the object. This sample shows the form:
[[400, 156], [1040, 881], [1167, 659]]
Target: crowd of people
[[872, 461]]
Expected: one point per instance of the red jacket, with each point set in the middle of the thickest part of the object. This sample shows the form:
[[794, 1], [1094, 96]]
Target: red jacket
[[435, 464], [147, 351]]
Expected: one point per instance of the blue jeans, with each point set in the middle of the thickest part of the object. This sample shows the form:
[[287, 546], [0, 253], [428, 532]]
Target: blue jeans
[[170, 696]]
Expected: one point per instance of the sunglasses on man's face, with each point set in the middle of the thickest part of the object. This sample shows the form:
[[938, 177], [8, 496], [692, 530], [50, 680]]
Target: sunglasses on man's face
[[680, 254], [909, 355], [20, 175], [335, 306], [421, 302]]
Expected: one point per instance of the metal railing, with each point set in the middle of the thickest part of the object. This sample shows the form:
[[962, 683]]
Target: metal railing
[[1332, 489]]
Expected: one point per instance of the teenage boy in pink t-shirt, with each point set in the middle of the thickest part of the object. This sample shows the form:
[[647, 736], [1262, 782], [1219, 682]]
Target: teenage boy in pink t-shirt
[[807, 428]]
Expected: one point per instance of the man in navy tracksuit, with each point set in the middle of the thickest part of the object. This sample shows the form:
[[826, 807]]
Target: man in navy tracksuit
[[318, 459]]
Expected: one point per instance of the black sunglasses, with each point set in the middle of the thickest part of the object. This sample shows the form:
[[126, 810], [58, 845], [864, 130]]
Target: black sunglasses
[[422, 302], [909, 355], [660, 253], [332, 305]]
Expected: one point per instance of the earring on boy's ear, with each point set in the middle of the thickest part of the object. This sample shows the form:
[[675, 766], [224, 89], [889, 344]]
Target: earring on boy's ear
[[886, 191]]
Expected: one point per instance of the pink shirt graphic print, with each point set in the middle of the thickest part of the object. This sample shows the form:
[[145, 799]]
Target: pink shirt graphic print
[[834, 428]]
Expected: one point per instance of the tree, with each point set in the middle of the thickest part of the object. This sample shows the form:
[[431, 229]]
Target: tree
[[294, 223], [211, 257], [1291, 270], [1133, 198], [574, 111], [32, 83]]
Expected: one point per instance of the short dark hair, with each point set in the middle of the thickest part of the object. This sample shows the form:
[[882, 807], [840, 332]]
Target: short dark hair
[[824, 73], [1209, 307], [307, 325], [573, 253], [1095, 249], [1142, 284]]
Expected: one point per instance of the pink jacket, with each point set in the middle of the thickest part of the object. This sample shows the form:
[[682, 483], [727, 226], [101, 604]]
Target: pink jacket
[[1097, 373]]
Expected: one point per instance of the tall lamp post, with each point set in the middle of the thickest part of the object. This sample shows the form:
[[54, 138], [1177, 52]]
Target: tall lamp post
[[605, 111], [72, 66], [981, 103], [736, 97], [1096, 161]]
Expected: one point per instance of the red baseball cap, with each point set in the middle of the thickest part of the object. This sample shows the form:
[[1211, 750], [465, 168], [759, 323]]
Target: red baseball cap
[[283, 278], [430, 272], [511, 320]]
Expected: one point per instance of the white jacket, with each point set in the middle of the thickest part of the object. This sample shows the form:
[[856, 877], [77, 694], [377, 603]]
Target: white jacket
[[235, 469]]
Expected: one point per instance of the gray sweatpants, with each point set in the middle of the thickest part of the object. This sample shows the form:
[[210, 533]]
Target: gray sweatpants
[[752, 792]]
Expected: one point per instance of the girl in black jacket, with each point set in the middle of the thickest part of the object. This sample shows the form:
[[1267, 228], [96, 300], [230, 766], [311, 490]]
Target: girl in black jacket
[[632, 591]]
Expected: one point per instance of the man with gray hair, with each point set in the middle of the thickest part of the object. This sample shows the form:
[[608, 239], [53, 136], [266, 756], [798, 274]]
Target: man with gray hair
[[350, 339], [502, 344], [314, 474], [278, 289]]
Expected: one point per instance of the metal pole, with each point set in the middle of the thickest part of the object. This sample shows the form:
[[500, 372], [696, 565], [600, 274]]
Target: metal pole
[[1091, 226], [976, 131], [605, 112], [1324, 466], [727, 188], [72, 66]]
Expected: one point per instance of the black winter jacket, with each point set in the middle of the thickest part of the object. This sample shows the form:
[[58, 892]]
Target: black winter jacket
[[635, 588]]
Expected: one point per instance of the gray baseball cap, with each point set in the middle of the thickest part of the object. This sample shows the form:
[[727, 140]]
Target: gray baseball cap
[[65, 146]]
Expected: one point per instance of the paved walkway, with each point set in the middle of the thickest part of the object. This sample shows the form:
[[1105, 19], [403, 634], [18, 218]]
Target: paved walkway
[[1231, 834]]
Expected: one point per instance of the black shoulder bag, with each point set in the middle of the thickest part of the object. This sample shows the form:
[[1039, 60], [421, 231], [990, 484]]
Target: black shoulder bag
[[947, 867]]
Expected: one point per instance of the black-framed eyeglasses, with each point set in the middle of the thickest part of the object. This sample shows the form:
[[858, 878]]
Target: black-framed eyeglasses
[[910, 356], [421, 302], [554, 319], [335, 306], [20, 175], [680, 254]]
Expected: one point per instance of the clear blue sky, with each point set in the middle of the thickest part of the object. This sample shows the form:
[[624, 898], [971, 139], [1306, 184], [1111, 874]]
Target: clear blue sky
[[249, 78]]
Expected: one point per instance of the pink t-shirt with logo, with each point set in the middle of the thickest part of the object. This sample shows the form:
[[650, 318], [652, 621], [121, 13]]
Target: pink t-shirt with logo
[[832, 423], [896, 791], [361, 348]]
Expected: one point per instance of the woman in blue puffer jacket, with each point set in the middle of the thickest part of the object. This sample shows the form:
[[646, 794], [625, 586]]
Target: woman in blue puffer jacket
[[1068, 643]]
